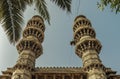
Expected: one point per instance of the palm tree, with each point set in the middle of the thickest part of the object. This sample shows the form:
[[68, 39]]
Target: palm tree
[[11, 14]]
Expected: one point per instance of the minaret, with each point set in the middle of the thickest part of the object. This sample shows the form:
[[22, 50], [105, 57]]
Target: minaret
[[88, 48], [29, 48]]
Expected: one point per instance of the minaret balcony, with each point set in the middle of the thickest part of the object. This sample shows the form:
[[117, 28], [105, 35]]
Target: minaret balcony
[[37, 24], [84, 31], [88, 44], [81, 22], [36, 21], [30, 45], [35, 32]]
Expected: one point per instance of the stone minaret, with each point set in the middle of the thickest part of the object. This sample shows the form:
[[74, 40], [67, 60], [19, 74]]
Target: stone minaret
[[29, 48], [88, 48]]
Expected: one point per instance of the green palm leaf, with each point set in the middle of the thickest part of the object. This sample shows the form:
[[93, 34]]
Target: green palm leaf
[[11, 20], [64, 4], [21, 4], [42, 9], [0, 14], [28, 1], [11, 12], [1, 11]]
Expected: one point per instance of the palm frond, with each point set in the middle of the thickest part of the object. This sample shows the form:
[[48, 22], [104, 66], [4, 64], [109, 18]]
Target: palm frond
[[0, 16], [11, 20], [64, 4], [21, 4], [42, 9], [28, 1], [1, 12]]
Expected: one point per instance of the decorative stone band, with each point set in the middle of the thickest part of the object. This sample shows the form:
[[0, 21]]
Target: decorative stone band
[[58, 70], [30, 44], [81, 22], [88, 44], [33, 31], [23, 66], [19, 74], [87, 59], [94, 66], [84, 31], [36, 23]]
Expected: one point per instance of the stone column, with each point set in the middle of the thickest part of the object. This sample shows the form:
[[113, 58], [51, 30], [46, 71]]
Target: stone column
[[72, 76], [36, 76], [63, 76], [54, 76], [29, 48], [45, 76], [88, 48]]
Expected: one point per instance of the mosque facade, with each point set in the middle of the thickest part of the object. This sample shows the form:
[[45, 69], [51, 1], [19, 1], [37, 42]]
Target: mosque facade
[[87, 47]]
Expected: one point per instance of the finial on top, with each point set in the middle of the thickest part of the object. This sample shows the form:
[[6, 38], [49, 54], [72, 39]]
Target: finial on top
[[80, 16], [37, 16]]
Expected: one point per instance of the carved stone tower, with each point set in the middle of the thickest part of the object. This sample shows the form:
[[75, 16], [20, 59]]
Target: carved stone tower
[[88, 48], [29, 48]]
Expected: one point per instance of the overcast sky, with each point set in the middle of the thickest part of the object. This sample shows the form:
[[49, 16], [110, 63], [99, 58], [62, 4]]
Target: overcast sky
[[57, 50]]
